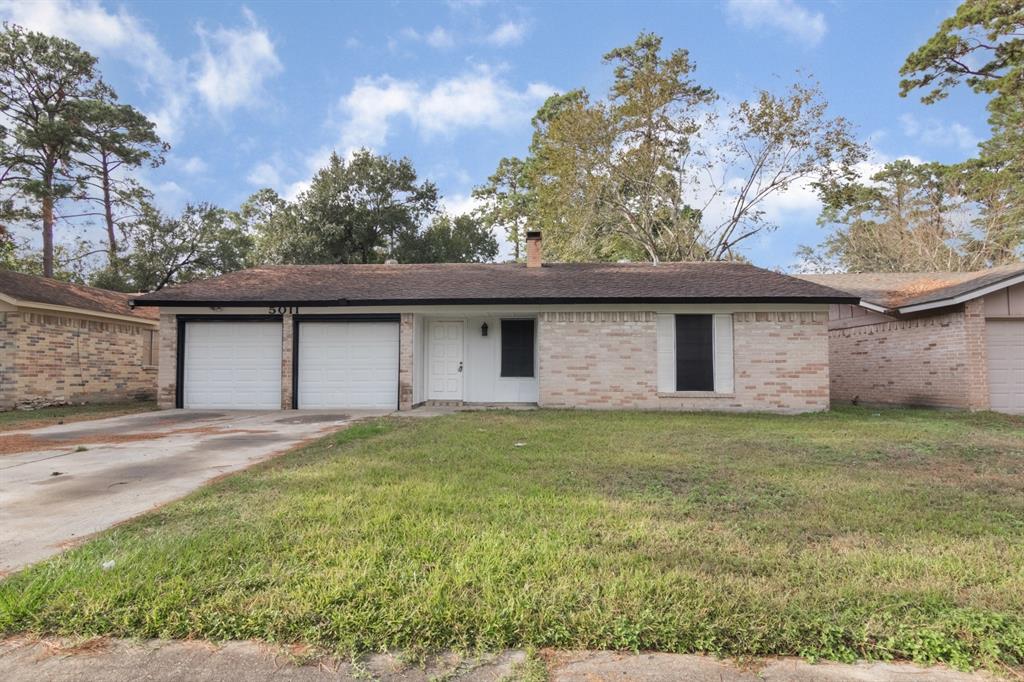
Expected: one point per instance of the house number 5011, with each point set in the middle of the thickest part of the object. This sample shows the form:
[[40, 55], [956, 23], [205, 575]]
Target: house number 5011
[[283, 310]]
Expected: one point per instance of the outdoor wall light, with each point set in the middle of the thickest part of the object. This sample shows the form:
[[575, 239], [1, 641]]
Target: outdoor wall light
[[483, 329]]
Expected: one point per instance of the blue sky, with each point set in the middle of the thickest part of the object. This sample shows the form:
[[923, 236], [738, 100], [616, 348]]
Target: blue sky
[[258, 94]]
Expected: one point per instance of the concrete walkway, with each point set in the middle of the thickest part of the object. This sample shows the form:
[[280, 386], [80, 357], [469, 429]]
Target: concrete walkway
[[59, 484], [25, 660]]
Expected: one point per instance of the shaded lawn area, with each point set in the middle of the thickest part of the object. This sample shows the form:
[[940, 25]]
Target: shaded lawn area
[[840, 535], [16, 420]]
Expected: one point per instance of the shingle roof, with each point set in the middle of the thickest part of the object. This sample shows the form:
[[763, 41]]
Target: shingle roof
[[468, 283], [33, 289], [894, 290]]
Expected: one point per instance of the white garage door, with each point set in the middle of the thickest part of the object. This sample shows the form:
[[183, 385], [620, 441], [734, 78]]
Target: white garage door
[[348, 365], [1006, 365], [233, 365]]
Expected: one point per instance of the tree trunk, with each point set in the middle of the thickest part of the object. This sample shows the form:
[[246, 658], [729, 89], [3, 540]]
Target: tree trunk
[[108, 212], [47, 236], [48, 223]]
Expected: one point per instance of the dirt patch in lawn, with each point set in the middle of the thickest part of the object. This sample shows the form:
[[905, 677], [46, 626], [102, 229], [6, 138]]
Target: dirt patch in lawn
[[19, 443], [23, 420]]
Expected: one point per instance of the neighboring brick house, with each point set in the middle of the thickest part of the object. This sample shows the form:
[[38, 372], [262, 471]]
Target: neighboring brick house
[[675, 336], [945, 339], [63, 343]]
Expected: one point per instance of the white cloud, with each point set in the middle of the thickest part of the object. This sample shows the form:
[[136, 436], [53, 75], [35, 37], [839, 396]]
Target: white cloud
[[457, 204], [935, 133], [799, 198], [234, 63], [170, 197], [118, 35], [440, 38], [784, 15], [370, 104], [264, 175], [477, 99], [293, 190], [192, 165], [509, 33]]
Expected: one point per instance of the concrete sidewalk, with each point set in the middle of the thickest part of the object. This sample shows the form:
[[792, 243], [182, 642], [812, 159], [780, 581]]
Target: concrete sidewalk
[[27, 660]]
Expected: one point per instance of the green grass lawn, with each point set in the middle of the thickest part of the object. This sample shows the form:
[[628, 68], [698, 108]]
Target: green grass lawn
[[897, 534], [48, 416]]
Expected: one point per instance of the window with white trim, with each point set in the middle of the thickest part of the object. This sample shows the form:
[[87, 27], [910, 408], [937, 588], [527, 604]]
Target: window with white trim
[[695, 353], [517, 341]]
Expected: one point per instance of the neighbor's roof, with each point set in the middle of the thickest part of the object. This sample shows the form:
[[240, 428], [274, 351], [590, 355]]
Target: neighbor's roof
[[910, 291], [468, 283], [21, 289]]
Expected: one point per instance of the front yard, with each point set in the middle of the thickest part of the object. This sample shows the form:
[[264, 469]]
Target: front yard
[[18, 420], [843, 535]]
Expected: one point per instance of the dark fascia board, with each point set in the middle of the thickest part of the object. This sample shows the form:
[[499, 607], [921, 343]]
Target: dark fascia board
[[496, 301]]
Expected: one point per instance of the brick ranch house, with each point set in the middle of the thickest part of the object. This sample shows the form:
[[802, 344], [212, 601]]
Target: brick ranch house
[[63, 343], [681, 336], [941, 339]]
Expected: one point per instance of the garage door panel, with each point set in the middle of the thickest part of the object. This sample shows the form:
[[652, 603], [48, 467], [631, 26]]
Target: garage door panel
[[1005, 341], [348, 365], [232, 365]]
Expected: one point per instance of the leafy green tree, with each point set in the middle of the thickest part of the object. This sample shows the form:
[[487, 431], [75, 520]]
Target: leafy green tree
[[982, 47], [912, 217], [366, 210], [7, 249], [462, 239], [202, 242], [119, 139], [608, 172], [44, 83], [650, 173], [357, 211], [273, 224], [71, 262], [506, 202]]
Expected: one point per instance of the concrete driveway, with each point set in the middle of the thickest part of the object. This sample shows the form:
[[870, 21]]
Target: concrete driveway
[[60, 484]]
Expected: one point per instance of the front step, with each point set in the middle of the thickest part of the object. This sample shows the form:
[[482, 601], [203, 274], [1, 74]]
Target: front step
[[443, 403]]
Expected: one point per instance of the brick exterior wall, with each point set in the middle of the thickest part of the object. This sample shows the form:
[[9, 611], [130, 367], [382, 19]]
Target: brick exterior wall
[[49, 356], [608, 360], [406, 343], [167, 380], [933, 360], [286, 362], [8, 377], [976, 355]]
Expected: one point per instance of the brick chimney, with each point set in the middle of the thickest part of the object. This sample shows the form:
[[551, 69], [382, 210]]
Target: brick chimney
[[533, 255]]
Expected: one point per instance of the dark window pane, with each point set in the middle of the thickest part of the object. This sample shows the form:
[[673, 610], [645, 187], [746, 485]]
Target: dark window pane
[[695, 365], [517, 348]]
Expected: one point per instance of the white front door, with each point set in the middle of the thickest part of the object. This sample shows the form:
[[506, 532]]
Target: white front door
[[445, 370]]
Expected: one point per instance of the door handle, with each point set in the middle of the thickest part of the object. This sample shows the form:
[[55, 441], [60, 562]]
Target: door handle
[[460, 365]]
